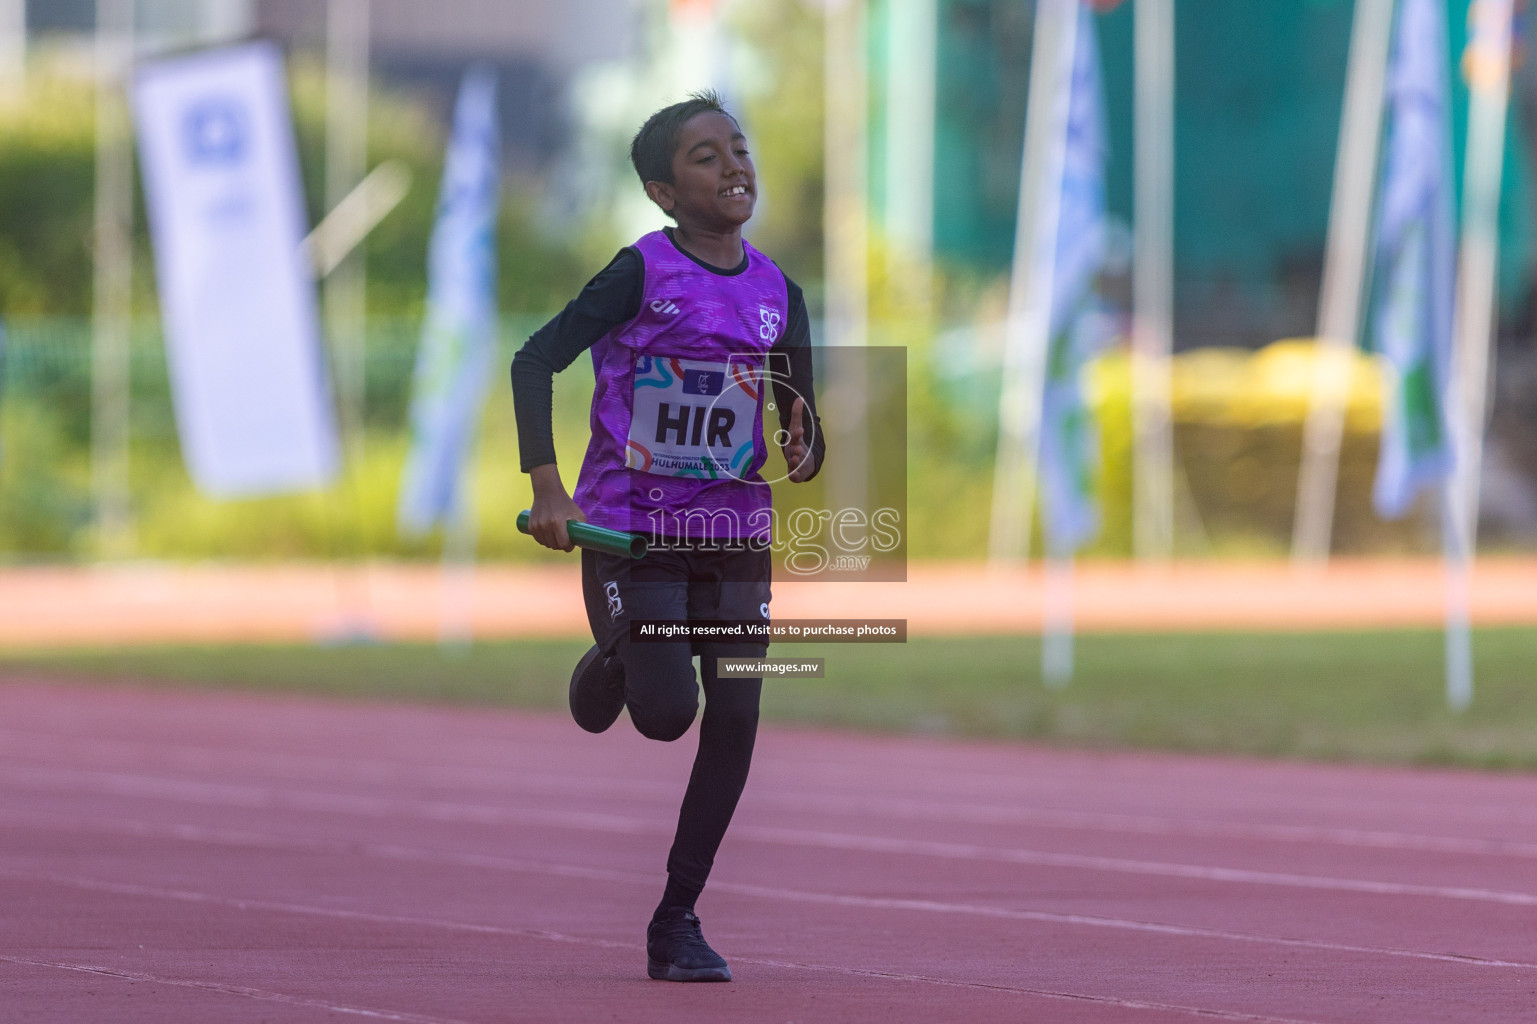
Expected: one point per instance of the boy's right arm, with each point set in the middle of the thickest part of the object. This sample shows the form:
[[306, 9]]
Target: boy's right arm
[[552, 508], [610, 299]]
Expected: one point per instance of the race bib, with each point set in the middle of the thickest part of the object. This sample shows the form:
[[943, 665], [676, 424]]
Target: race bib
[[693, 417]]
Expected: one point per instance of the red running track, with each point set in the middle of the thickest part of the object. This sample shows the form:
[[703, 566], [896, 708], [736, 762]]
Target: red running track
[[175, 856]]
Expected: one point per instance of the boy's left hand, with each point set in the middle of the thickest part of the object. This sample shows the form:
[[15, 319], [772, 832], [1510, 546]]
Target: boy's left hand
[[802, 463]]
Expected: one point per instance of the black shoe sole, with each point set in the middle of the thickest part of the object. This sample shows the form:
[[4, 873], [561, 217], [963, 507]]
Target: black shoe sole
[[671, 972], [593, 722]]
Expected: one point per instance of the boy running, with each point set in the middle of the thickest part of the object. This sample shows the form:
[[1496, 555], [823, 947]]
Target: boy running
[[685, 326]]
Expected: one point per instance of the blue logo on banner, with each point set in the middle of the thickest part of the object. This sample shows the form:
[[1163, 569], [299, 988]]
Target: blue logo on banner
[[703, 382], [215, 132]]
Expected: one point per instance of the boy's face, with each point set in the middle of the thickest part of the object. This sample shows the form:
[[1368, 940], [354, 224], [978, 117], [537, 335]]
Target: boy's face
[[714, 184]]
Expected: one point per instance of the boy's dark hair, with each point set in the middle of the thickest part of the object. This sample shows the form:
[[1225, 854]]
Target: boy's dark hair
[[657, 141]]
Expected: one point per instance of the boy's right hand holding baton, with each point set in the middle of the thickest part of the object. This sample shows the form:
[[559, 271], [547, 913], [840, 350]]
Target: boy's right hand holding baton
[[551, 509]]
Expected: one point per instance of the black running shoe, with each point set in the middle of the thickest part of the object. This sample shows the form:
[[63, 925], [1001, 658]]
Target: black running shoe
[[676, 950], [597, 691]]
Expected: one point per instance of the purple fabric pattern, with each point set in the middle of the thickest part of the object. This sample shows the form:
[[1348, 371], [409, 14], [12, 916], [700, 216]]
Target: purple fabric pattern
[[631, 478]]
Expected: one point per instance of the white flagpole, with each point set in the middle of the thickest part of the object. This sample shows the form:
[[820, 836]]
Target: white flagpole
[[1153, 284], [910, 81], [13, 47], [343, 289], [1489, 81], [456, 610], [1345, 267], [1057, 627], [845, 219], [846, 231], [1028, 323], [111, 300]]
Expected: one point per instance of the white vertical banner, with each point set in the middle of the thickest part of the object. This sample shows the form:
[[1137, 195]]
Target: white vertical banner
[[226, 217], [1032, 285], [1069, 442], [459, 337], [1416, 261], [458, 345]]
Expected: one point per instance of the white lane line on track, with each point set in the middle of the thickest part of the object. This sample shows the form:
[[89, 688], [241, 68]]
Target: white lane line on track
[[491, 862], [231, 990], [1122, 865], [330, 912], [21, 748], [219, 794], [1129, 1004], [1146, 824], [521, 779], [1093, 921], [869, 807]]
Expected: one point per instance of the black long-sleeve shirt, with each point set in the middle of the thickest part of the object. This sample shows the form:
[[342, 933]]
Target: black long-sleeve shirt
[[612, 298]]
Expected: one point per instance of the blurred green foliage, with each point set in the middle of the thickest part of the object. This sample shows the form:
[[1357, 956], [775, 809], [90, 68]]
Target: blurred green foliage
[[47, 187], [47, 160], [782, 118], [1237, 417], [45, 493]]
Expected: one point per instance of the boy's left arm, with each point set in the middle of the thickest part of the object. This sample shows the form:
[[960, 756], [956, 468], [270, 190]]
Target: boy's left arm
[[795, 393]]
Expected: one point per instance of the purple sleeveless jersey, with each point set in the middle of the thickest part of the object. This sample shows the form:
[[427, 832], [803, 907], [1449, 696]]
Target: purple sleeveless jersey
[[677, 411]]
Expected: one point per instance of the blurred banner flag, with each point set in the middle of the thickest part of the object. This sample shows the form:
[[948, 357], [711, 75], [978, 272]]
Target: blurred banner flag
[[698, 54], [459, 337], [1069, 442], [1416, 261], [226, 216]]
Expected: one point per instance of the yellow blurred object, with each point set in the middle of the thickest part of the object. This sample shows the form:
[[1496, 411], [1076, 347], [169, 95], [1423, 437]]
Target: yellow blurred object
[[1273, 386], [1238, 419], [1243, 388]]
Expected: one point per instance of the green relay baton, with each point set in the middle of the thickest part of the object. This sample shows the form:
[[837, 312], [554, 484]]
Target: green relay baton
[[613, 542]]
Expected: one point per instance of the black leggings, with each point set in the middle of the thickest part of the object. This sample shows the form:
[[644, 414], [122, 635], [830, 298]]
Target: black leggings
[[661, 692], [726, 735]]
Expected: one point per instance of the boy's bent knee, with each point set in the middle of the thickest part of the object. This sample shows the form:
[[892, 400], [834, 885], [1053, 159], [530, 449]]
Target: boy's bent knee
[[663, 695], [664, 723]]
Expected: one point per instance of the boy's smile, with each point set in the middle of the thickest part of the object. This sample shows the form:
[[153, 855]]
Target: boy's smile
[[714, 186]]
